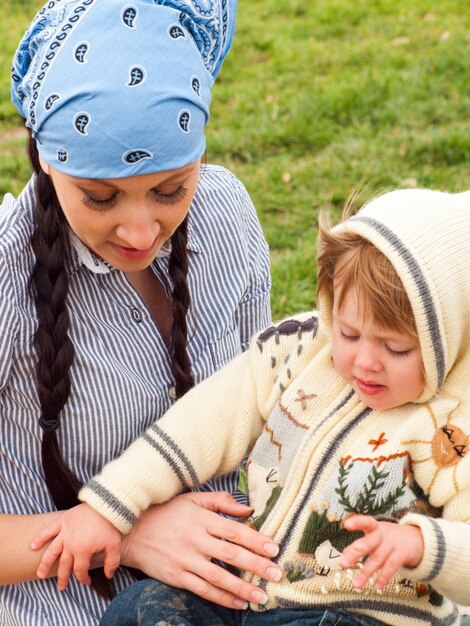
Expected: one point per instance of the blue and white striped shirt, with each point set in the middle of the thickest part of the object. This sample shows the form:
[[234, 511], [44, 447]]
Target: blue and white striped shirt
[[121, 378]]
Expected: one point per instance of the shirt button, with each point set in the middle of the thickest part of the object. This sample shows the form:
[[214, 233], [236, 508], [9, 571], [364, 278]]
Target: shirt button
[[137, 315], [172, 393]]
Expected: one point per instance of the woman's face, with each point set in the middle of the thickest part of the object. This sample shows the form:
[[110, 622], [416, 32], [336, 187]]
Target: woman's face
[[125, 221]]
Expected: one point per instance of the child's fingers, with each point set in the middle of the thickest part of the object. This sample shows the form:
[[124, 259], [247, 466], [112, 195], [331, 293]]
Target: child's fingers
[[370, 567], [387, 571], [50, 556], [47, 533], [358, 550], [64, 570], [364, 545], [366, 523], [81, 568], [112, 560]]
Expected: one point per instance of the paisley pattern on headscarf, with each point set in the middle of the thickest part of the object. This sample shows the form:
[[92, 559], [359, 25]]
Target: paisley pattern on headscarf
[[211, 24], [112, 88]]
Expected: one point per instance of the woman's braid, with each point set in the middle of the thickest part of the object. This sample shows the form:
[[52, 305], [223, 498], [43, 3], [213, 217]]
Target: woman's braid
[[178, 269], [49, 282]]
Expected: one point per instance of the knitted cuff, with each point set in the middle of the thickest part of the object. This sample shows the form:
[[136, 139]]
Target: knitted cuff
[[434, 548]]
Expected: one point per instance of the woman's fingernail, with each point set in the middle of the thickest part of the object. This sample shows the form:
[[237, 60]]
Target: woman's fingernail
[[240, 604], [274, 573], [259, 596], [271, 549]]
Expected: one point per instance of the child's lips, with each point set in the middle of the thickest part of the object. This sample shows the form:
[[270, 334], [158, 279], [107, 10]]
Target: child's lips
[[369, 388]]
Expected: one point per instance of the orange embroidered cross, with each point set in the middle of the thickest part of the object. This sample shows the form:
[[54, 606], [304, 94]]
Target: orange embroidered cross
[[378, 442], [303, 397]]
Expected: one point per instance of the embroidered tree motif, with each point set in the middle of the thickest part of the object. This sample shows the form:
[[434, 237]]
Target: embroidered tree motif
[[259, 521], [320, 529], [325, 539], [368, 501]]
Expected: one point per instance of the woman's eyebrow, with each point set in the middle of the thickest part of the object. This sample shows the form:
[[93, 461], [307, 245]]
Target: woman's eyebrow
[[95, 183]]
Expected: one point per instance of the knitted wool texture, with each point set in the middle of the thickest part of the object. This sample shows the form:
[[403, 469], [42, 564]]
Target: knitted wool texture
[[424, 234], [318, 453]]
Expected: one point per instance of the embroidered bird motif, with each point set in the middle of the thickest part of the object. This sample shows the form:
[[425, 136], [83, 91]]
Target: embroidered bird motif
[[378, 442], [303, 397]]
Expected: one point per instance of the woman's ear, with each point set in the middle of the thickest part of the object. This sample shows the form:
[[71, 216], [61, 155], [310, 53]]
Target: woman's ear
[[44, 165]]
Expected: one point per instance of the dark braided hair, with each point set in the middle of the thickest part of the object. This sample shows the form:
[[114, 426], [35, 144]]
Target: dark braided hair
[[55, 350], [49, 282], [180, 300]]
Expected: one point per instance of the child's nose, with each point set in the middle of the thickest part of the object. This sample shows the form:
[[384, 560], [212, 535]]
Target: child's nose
[[368, 359]]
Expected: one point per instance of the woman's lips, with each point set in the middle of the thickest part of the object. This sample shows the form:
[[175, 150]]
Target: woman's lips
[[369, 388], [132, 253]]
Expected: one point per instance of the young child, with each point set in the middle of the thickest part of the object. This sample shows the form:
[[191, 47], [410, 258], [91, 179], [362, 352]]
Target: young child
[[357, 422]]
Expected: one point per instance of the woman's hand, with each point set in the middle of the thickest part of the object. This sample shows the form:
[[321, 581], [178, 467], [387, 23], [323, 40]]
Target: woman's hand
[[176, 542]]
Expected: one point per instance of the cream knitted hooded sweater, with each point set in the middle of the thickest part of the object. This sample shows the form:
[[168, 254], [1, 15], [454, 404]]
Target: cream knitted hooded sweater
[[318, 453]]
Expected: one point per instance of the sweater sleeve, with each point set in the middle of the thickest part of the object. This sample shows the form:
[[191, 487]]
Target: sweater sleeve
[[445, 564], [205, 433]]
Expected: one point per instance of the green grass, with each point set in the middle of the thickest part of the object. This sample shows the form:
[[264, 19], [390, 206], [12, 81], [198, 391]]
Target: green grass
[[316, 100]]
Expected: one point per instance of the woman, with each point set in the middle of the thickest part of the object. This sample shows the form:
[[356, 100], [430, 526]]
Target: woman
[[128, 272]]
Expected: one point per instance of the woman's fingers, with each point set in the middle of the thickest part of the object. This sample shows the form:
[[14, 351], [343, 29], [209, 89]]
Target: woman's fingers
[[213, 593], [242, 559], [242, 535], [222, 502], [214, 577], [219, 502], [179, 541]]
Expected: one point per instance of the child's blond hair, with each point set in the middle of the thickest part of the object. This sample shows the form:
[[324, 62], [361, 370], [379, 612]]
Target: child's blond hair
[[349, 261]]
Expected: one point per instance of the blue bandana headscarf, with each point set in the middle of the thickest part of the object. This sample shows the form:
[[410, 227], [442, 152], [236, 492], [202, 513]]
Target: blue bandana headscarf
[[112, 88]]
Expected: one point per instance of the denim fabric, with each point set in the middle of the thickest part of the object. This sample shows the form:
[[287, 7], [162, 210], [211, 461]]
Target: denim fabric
[[151, 603]]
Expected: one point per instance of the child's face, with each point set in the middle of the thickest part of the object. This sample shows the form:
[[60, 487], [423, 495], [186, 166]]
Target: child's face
[[383, 365]]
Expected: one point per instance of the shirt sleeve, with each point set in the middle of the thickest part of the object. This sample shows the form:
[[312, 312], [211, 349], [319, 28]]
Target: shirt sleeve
[[254, 311], [9, 323]]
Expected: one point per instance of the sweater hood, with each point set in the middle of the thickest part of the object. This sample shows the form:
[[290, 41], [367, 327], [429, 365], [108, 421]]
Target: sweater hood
[[426, 236]]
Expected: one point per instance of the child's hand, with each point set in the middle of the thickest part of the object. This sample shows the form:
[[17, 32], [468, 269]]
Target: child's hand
[[76, 536], [388, 547]]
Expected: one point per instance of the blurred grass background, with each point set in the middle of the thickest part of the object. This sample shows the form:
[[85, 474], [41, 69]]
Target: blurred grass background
[[315, 101]]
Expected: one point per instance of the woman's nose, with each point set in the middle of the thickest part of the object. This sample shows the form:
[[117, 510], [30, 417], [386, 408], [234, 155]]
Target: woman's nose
[[139, 231]]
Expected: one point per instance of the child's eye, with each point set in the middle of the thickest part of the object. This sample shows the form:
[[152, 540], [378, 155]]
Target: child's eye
[[349, 337], [100, 205], [397, 353], [170, 198]]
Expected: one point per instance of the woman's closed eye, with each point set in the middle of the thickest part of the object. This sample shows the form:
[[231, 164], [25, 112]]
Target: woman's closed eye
[[100, 204], [105, 204], [170, 198]]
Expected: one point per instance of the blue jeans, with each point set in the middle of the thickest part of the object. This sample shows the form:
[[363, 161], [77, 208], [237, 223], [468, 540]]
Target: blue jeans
[[151, 603]]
